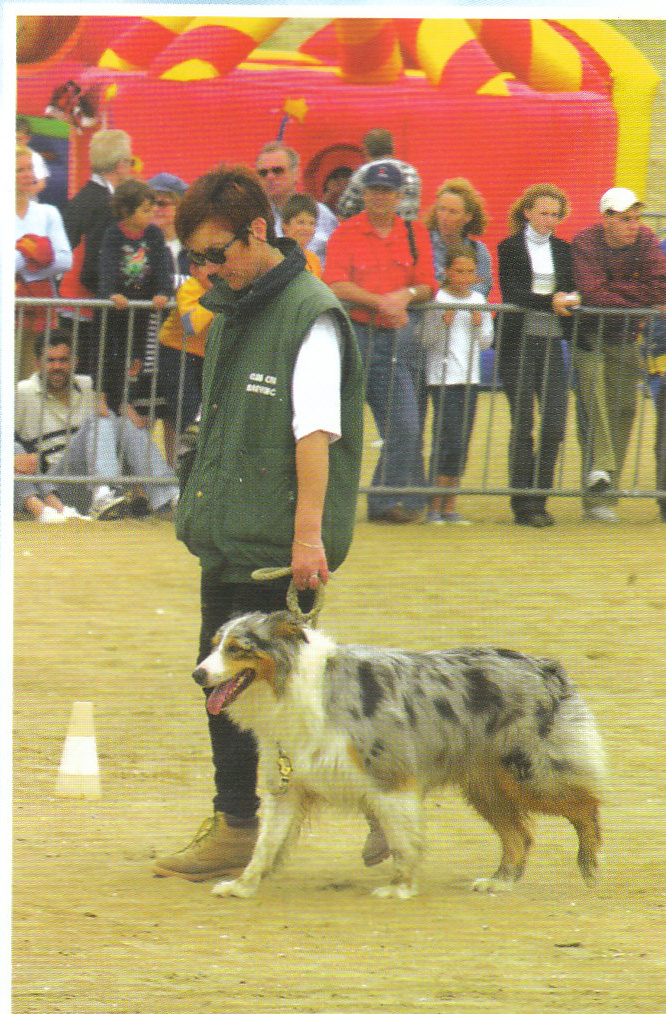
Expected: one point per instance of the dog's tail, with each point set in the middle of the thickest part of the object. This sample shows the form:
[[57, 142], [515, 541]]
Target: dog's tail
[[575, 747]]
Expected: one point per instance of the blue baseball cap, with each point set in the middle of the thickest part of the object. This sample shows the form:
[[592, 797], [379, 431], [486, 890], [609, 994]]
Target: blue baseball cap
[[383, 174], [167, 182]]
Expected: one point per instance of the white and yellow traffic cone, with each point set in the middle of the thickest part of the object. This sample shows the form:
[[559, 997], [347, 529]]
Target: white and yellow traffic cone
[[78, 774]]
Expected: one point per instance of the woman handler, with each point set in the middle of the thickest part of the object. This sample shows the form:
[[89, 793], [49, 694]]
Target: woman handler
[[275, 477]]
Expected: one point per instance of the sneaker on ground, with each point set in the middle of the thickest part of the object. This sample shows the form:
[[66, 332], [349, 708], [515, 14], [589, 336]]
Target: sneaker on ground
[[600, 513], [109, 507], [597, 481], [451, 518], [69, 513], [216, 850], [50, 516], [434, 518]]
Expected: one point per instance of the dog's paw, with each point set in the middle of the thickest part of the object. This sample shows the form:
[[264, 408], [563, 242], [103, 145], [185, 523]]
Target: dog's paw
[[591, 868], [400, 891], [491, 885], [234, 889]]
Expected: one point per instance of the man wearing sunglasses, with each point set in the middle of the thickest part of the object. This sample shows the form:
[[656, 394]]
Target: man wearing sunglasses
[[278, 169], [275, 477]]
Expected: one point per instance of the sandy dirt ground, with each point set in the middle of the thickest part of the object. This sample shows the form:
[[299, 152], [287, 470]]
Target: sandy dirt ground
[[109, 614]]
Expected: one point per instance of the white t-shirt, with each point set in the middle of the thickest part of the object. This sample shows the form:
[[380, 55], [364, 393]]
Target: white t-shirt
[[315, 386], [454, 351]]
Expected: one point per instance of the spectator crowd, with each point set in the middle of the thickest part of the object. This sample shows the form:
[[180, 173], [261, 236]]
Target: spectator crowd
[[91, 381]]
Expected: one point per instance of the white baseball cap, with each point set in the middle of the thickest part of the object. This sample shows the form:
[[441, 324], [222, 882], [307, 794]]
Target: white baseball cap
[[618, 199]]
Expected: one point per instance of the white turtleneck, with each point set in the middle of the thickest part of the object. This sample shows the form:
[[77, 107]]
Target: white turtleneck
[[541, 259]]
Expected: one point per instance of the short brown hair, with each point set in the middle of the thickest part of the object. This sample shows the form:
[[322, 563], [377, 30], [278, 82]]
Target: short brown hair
[[231, 196], [378, 142], [296, 204], [128, 196], [528, 199], [472, 199]]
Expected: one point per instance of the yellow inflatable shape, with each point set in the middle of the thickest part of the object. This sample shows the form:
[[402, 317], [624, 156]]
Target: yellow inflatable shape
[[497, 86], [255, 28], [436, 42], [635, 82], [283, 56], [370, 50], [173, 24], [358, 31], [555, 64], [113, 61], [191, 70]]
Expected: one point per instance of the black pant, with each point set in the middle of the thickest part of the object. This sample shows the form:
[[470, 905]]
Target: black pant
[[534, 369], [234, 750]]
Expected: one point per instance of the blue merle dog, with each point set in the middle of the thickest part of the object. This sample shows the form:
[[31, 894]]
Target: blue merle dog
[[376, 729]]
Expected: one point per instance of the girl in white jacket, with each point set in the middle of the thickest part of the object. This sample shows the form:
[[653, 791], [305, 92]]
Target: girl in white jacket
[[454, 340]]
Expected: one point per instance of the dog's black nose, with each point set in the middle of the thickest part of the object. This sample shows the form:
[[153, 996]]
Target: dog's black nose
[[200, 676]]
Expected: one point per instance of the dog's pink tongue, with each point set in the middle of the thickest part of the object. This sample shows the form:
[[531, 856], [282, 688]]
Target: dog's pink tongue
[[216, 698]]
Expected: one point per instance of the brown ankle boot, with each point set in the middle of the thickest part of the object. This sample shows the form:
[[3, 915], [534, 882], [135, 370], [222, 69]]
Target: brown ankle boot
[[215, 851]]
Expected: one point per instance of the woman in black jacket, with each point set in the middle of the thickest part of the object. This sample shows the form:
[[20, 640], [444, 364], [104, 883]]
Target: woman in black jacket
[[535, 272]]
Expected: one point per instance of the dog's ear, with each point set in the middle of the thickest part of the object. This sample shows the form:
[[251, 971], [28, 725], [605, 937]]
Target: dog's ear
[[286, 626]]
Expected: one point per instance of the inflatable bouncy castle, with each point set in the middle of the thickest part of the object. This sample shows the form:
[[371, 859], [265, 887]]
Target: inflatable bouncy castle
[[506, 103]]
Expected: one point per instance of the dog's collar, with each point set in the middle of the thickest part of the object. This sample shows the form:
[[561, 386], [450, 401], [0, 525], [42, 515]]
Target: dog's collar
[[285, 768]]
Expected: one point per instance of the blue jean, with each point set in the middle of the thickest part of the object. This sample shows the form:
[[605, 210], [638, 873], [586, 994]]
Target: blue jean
[[391, 360]]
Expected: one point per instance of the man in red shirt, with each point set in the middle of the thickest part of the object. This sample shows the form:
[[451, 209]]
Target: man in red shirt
[[382, 266], [617, 264]]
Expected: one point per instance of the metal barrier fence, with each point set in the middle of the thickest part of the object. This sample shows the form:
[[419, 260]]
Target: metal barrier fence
[[403, 362]]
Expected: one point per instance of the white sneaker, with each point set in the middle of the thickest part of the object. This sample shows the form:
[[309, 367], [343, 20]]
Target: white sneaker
[[71, 512], [598, 481], [601, 513], [453, 518], [109, 506], [50, 516]]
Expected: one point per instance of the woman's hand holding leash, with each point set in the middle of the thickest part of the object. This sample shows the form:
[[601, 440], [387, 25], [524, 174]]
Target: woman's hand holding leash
[[308, 564]]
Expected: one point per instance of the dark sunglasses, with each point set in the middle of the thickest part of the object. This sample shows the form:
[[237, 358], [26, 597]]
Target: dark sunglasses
[[211, 255], [277, 170]]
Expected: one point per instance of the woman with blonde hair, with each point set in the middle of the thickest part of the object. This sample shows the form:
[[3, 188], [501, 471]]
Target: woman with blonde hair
[[535, 272], [458, 214], [42, 254]]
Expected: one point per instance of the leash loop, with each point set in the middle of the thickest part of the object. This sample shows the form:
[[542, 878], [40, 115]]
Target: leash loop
[[273, 573]]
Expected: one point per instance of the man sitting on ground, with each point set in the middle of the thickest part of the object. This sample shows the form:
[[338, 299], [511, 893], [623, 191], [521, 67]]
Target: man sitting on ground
[[62, 429]]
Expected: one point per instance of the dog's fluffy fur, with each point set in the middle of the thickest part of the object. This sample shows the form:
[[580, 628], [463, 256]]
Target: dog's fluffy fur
[[377, 729]]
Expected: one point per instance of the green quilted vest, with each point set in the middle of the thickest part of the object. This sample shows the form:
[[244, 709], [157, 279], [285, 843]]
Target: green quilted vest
[[237, 510]]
